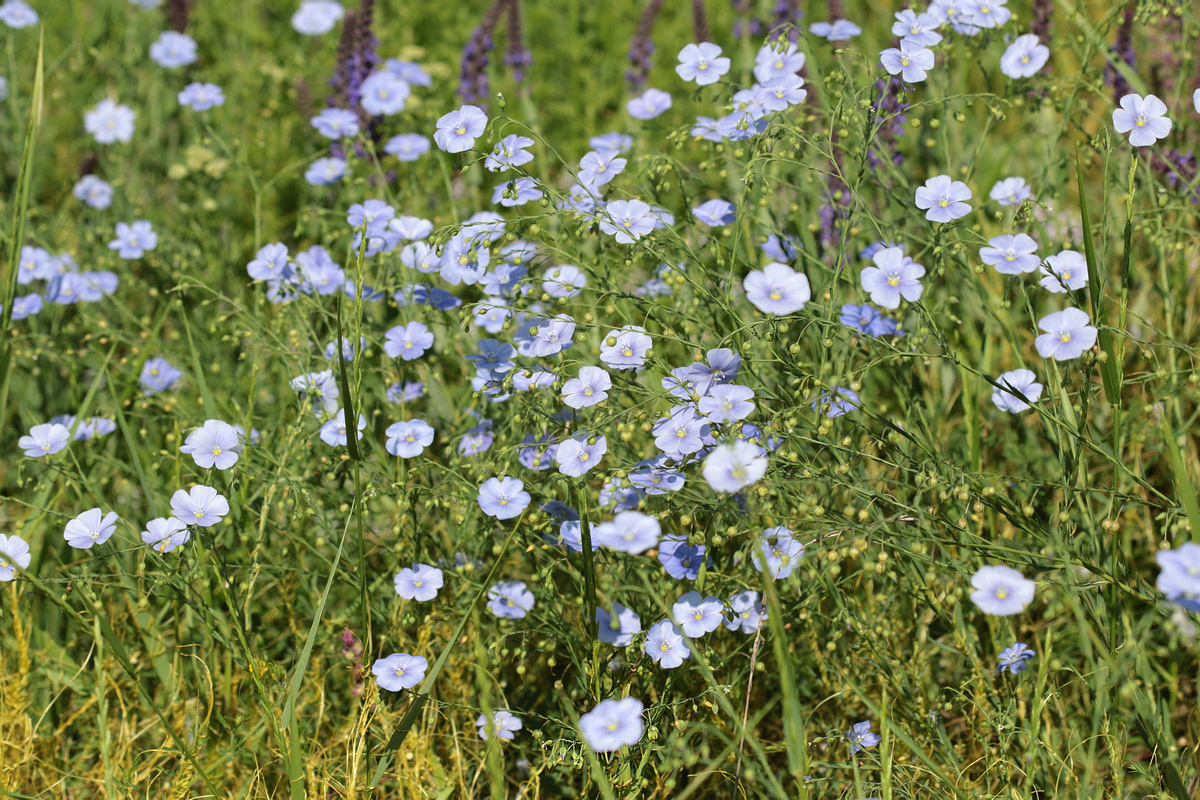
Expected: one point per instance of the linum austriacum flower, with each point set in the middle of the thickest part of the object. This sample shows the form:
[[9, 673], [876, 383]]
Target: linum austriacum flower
[[665, 645], [1001, 591], [214, 444], [510, 599], [629, 532], [943, 199], [778, 552], [92, 527], [201, 96], [14, 553], [613, 724], [1011, 191], [587, 390], [727, 403], [1020, 389], [1015, 659], [93, 191], [649, 104], [333, 432], [317, 17], [457, 131], [1179, 578], [44, 440], [1011, 255], [680, 559], [910, 61], [173, 49], [109, 122], [399, 671], [1143, 118], [777, 289], [409, 341], [1064, 272], [1067, 335], [1024, 57], [158, 375], [917, 29], [17, 14], [503, 498], [165, 534], [509, 153], [840, 30], [134, 239], [503, 723], [893, 277], [746, 613], [618, 626], [577, 455], [627, 220], [408, 439], [778, 58], [420, 582], [697, 616], [201, 505], [626, 349], [715, 213], [734, 466], [598, 168], [702, 63], [336, 123], [860, 736]]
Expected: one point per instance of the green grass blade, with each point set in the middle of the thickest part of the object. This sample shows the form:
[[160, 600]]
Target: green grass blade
[[20, 216], [1110, 367]]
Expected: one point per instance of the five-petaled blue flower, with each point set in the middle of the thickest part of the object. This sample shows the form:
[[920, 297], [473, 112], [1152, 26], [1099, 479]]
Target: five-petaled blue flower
[[1015, 658]]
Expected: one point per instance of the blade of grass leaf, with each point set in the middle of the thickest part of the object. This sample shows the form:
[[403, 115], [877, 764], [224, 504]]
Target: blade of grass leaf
[[21, 213], [793, 723], [1108, 367]]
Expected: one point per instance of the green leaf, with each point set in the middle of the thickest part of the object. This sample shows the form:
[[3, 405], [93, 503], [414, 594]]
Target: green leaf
[[1108, 368]]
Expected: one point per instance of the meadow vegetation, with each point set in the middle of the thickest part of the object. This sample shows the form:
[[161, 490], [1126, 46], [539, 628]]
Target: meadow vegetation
[[625, 400]]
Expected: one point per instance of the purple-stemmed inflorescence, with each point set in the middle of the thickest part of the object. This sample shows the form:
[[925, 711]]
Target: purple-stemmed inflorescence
[[1043, 11], [473, 84], [700, 21], [784, 20], [745, 24], [355, 59], [177, 15], [641, 47], [518, 57]]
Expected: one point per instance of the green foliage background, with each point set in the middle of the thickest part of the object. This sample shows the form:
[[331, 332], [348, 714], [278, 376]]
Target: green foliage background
[[219, 670]]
